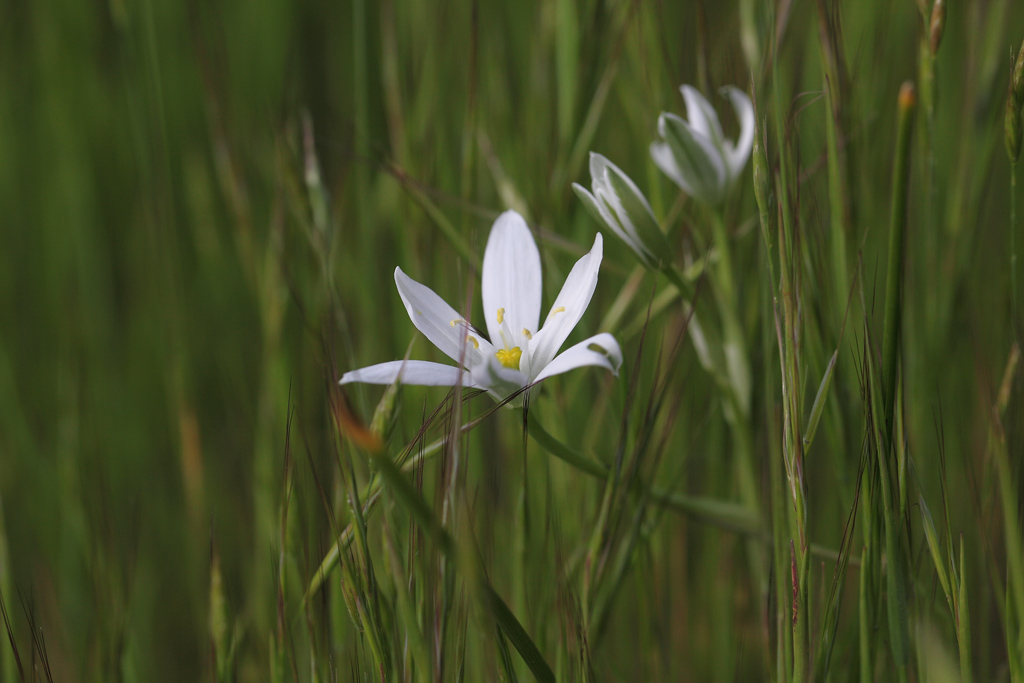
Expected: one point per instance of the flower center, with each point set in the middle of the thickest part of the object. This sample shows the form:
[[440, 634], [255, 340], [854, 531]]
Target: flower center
[[509, 357]]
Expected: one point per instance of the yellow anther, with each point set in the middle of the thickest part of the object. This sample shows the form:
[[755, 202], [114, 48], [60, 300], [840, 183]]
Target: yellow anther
[[560, 309], [458, 321], [501, 315], [526, 333], [509, 357], [476, 344]]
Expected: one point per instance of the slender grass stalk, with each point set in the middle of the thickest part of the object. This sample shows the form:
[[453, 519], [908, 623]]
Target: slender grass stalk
[[865, 621], [780, 531], [1010, 506], [1013, 135], [800, 577], [895, 570], [963, 620], [410, 499], [1013, 242], [838, 187], [567, 65], [407, 611], [8, 665], [897, 230], [360, 94], [889, 452]]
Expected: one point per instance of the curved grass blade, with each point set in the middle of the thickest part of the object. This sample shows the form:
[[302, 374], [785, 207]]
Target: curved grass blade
[[819, 402]]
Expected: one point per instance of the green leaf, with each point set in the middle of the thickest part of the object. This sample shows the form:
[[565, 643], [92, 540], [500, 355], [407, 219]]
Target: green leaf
[[819, 402], [933, 547]]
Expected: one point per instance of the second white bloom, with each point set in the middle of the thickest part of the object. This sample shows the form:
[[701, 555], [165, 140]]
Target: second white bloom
[[695, 154]]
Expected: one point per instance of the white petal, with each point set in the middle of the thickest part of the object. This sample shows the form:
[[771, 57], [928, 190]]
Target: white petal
[[737, 156], [598, 165], [601, 350], [663, 158], [626, 230], [612, 168], [702, 115], [604, 199], [511, 276], [434, 318], [569, 306], [599, 210], [417, 372], [698, 159]]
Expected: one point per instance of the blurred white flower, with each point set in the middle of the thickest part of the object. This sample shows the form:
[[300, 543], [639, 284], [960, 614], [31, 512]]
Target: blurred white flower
[[519, 352], [695, 153], [619, 204]]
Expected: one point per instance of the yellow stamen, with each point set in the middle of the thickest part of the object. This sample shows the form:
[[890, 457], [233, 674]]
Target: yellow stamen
[[457, 321], [560, 309], [476, 344], [526, 333], [509, 357], [501, 315]]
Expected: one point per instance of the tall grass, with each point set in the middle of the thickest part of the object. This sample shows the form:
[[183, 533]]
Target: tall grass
[[203, 205]]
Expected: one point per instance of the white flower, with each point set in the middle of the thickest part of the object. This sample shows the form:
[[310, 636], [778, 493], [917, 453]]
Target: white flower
[[620, 205], [520, 352], [695, 153]]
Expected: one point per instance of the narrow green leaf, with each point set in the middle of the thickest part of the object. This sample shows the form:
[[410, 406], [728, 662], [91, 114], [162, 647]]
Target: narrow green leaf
[[936, 552], [819, 402]]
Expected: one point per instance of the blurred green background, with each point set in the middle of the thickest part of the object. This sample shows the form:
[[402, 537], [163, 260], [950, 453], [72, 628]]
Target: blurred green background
[[201, 208]]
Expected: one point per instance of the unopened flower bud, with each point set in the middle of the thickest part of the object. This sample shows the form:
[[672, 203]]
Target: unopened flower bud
[[695, 153], [619, 205], [385, 417], [908, 97]]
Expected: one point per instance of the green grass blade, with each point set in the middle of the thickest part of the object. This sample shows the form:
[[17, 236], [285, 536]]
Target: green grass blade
[[819, 402]]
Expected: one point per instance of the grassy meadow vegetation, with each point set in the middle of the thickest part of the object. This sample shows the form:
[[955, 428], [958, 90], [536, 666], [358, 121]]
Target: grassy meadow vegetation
[[808, 467]]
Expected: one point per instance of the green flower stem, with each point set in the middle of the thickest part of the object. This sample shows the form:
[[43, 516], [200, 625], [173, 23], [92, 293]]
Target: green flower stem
[[725, 271], [737, 363]]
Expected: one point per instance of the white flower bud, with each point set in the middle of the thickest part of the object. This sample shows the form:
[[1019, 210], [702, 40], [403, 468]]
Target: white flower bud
[[619, 205]]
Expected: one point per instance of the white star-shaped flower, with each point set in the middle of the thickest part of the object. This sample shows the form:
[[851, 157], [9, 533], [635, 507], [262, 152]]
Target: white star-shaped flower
[[519, 351]]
